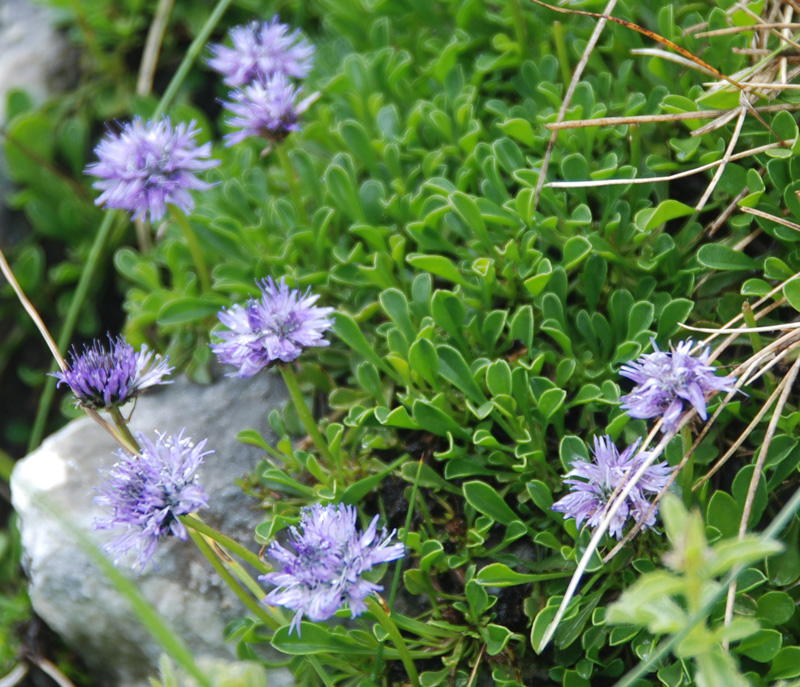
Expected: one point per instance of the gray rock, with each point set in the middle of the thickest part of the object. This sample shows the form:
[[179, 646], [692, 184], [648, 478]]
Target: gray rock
[[56, 483], [33, 55]]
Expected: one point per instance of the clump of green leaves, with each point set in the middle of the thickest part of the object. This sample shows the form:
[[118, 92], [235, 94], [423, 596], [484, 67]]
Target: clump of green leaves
[[667, 601], [479, 334]]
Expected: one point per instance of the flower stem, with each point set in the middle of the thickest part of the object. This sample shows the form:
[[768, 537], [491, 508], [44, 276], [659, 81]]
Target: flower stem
[[520, 27], [326, 679], [122, 426], [197, 45], [399, 565], [305, 416], [194, 247], [253, 606], [194, 522], [291, 180], [397, 639]]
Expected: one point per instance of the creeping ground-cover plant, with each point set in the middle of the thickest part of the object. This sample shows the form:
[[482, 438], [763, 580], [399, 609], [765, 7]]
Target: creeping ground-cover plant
[[528, 273]]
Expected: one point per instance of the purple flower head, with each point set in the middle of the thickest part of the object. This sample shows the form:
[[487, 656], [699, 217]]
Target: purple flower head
[[102, 378], [262, 49], [598, 480], [266, 108], [276, 327], [330, 555], [150, 164], [146, 494], [665, 379]]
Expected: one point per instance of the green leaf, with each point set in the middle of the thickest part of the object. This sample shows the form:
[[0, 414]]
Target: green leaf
[[571, 449], [395, 304], [358, 490], [496, 636], [187, 309], [467, 209], [718, 257], [424, 360], [540, 625], [761, 646], [348, 331], [317, 639], [540, 494], [551, 401], [455, 370], [447, 311], [724, 513], [648, 219], [521, 326], [792, 293], [741, 485], [775, 607], [486, 500], [520, 129], [344, 193], [574, 251], [439, 266], [786, 664], [673, 313], [500, 575], [436, 421]]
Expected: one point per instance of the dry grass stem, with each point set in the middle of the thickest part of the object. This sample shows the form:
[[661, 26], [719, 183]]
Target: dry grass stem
[[32, 312], [671, 57], [576, 76], [152, 47], [669, 177], [741, 29], [771, 218], [723, 217], [725, 159], [675, 117], [612, 509], [786, 385]]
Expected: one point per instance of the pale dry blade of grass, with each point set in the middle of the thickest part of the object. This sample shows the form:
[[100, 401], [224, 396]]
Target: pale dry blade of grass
[[576, 76]]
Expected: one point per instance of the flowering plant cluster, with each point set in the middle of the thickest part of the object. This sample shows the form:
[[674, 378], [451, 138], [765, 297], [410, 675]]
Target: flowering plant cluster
[[149, 164], [664, 379], [146, 494], [328, 563], [475, 328], [260, 65]]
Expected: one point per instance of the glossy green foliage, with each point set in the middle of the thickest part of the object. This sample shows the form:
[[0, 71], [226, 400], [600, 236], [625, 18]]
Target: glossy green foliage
[[482, 333]]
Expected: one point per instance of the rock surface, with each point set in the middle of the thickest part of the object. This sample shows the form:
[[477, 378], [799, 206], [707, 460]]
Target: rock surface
[[73, 596], [33, 55]]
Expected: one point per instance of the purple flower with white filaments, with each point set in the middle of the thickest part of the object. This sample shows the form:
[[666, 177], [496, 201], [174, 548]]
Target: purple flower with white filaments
[[146, 494], [269, 109], [665, 379], [592, 485], [276, 327], [325, 570], [102, 378], [148, 165], [261, 50]]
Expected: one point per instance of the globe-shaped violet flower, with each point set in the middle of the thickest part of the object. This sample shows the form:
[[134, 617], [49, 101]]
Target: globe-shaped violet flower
[[267, 108], [665, 379], [261, 49], [593, 484], [102, 378], [325, 570], [276, 327], [149, 164], [146, 493]]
